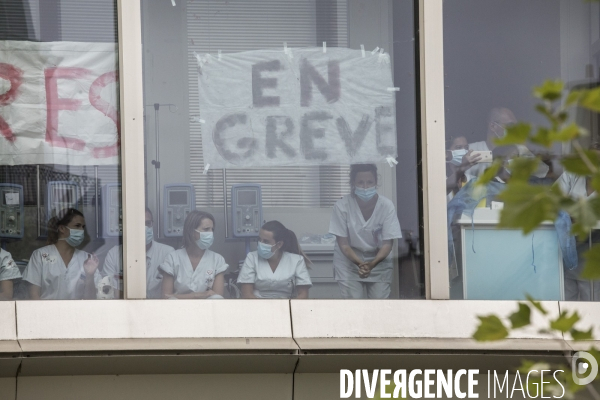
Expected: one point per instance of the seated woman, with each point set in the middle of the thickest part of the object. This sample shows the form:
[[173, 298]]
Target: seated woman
[[8, 272], [60, 271], [194, 272], [276, 268]]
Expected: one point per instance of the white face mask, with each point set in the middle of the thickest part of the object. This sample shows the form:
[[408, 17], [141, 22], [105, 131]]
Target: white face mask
[[457, 156]]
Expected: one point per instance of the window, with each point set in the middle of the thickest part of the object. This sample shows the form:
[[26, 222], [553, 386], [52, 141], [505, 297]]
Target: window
[[59, 150], [201, 60], [495, 53]]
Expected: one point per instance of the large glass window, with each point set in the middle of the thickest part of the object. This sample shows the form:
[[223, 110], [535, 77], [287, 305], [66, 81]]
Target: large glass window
[[495, 53], [255, 113], [60, 191]]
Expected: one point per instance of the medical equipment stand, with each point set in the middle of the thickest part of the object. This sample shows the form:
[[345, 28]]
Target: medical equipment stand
[[156, 161]]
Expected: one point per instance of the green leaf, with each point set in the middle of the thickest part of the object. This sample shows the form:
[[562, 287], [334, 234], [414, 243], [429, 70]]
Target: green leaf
[[591, 269], [581, 335], [536, 304], [527, 206], [590, 99], [515, 134], [573, 98], [577, 165], [522, 317], [571, 132], [565, 322], [550, 90], [490, 328], [490, 173], [596, 182], [543, 137], [521, 168]]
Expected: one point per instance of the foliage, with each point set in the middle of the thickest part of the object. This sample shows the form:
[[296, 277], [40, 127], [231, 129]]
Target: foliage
[[527, 205]]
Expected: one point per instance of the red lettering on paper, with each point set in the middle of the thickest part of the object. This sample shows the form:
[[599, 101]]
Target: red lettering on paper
[[107, 109], [15, 77], [54, 104]]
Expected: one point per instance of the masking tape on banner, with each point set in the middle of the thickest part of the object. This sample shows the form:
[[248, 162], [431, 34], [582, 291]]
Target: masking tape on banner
[[391, 161]]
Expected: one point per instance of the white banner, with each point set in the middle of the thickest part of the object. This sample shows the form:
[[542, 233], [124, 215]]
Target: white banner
[[59, 103], [296, 107]]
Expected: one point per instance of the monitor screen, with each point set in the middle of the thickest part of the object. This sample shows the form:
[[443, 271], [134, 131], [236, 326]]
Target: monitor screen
[[246, 197], [178, 197]]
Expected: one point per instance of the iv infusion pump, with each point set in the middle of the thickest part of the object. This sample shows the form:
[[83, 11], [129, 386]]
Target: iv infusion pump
[[246, 208], [112, 221], [61, 195], [12, 222], [179, 201]]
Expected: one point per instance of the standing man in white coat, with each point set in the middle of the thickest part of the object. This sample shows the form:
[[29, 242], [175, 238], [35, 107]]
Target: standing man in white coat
[[155, 255], [365, 225]]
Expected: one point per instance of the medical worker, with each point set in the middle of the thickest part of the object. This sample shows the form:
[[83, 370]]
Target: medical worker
[[155, 255], [365, 224], [194, 272], [60, 271], [577, 288], [8, 271], [276, 268]]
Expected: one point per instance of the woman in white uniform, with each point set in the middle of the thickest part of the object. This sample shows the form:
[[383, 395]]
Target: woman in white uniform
[[60, 271], [365, 224], [194, 272], [8, 271], [576, 288], [276, 268]]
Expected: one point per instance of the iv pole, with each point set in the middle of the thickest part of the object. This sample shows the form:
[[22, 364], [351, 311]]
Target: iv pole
[[156, 161]]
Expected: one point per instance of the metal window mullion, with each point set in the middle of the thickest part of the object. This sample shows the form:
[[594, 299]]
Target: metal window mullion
[[132, 146], [431, 46]]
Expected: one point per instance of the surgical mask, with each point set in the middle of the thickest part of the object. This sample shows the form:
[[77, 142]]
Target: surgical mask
[[500, 136], [75, 237], [365, 194], [149, 234], [206, 239], [265, 250], [457, 156]]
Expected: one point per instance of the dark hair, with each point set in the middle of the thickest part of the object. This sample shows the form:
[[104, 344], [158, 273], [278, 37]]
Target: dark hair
[[192, 221], [63, 218], [356, 168], [287, 236]]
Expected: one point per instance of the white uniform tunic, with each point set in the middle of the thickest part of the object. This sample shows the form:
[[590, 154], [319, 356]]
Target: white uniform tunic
[[290, 272], [188, 280], [365, 237], [113, 267], [8, 268], [47, 270]]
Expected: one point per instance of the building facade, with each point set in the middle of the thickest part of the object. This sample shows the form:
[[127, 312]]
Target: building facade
[[258, 110]]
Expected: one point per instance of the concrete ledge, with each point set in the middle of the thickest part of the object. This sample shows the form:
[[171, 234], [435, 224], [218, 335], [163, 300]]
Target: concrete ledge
[[154, 325], [590, 318], [408, 324], [8, 328]]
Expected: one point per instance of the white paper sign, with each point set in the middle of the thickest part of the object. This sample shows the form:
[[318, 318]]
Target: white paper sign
[[296, 107], [11, 199], [58, 103]]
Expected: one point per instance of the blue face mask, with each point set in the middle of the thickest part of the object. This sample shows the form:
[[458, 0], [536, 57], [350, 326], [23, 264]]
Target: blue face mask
[[206, 239], [149, 234], [265, 250], [75, 237], [365, 194], [457, 156]]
